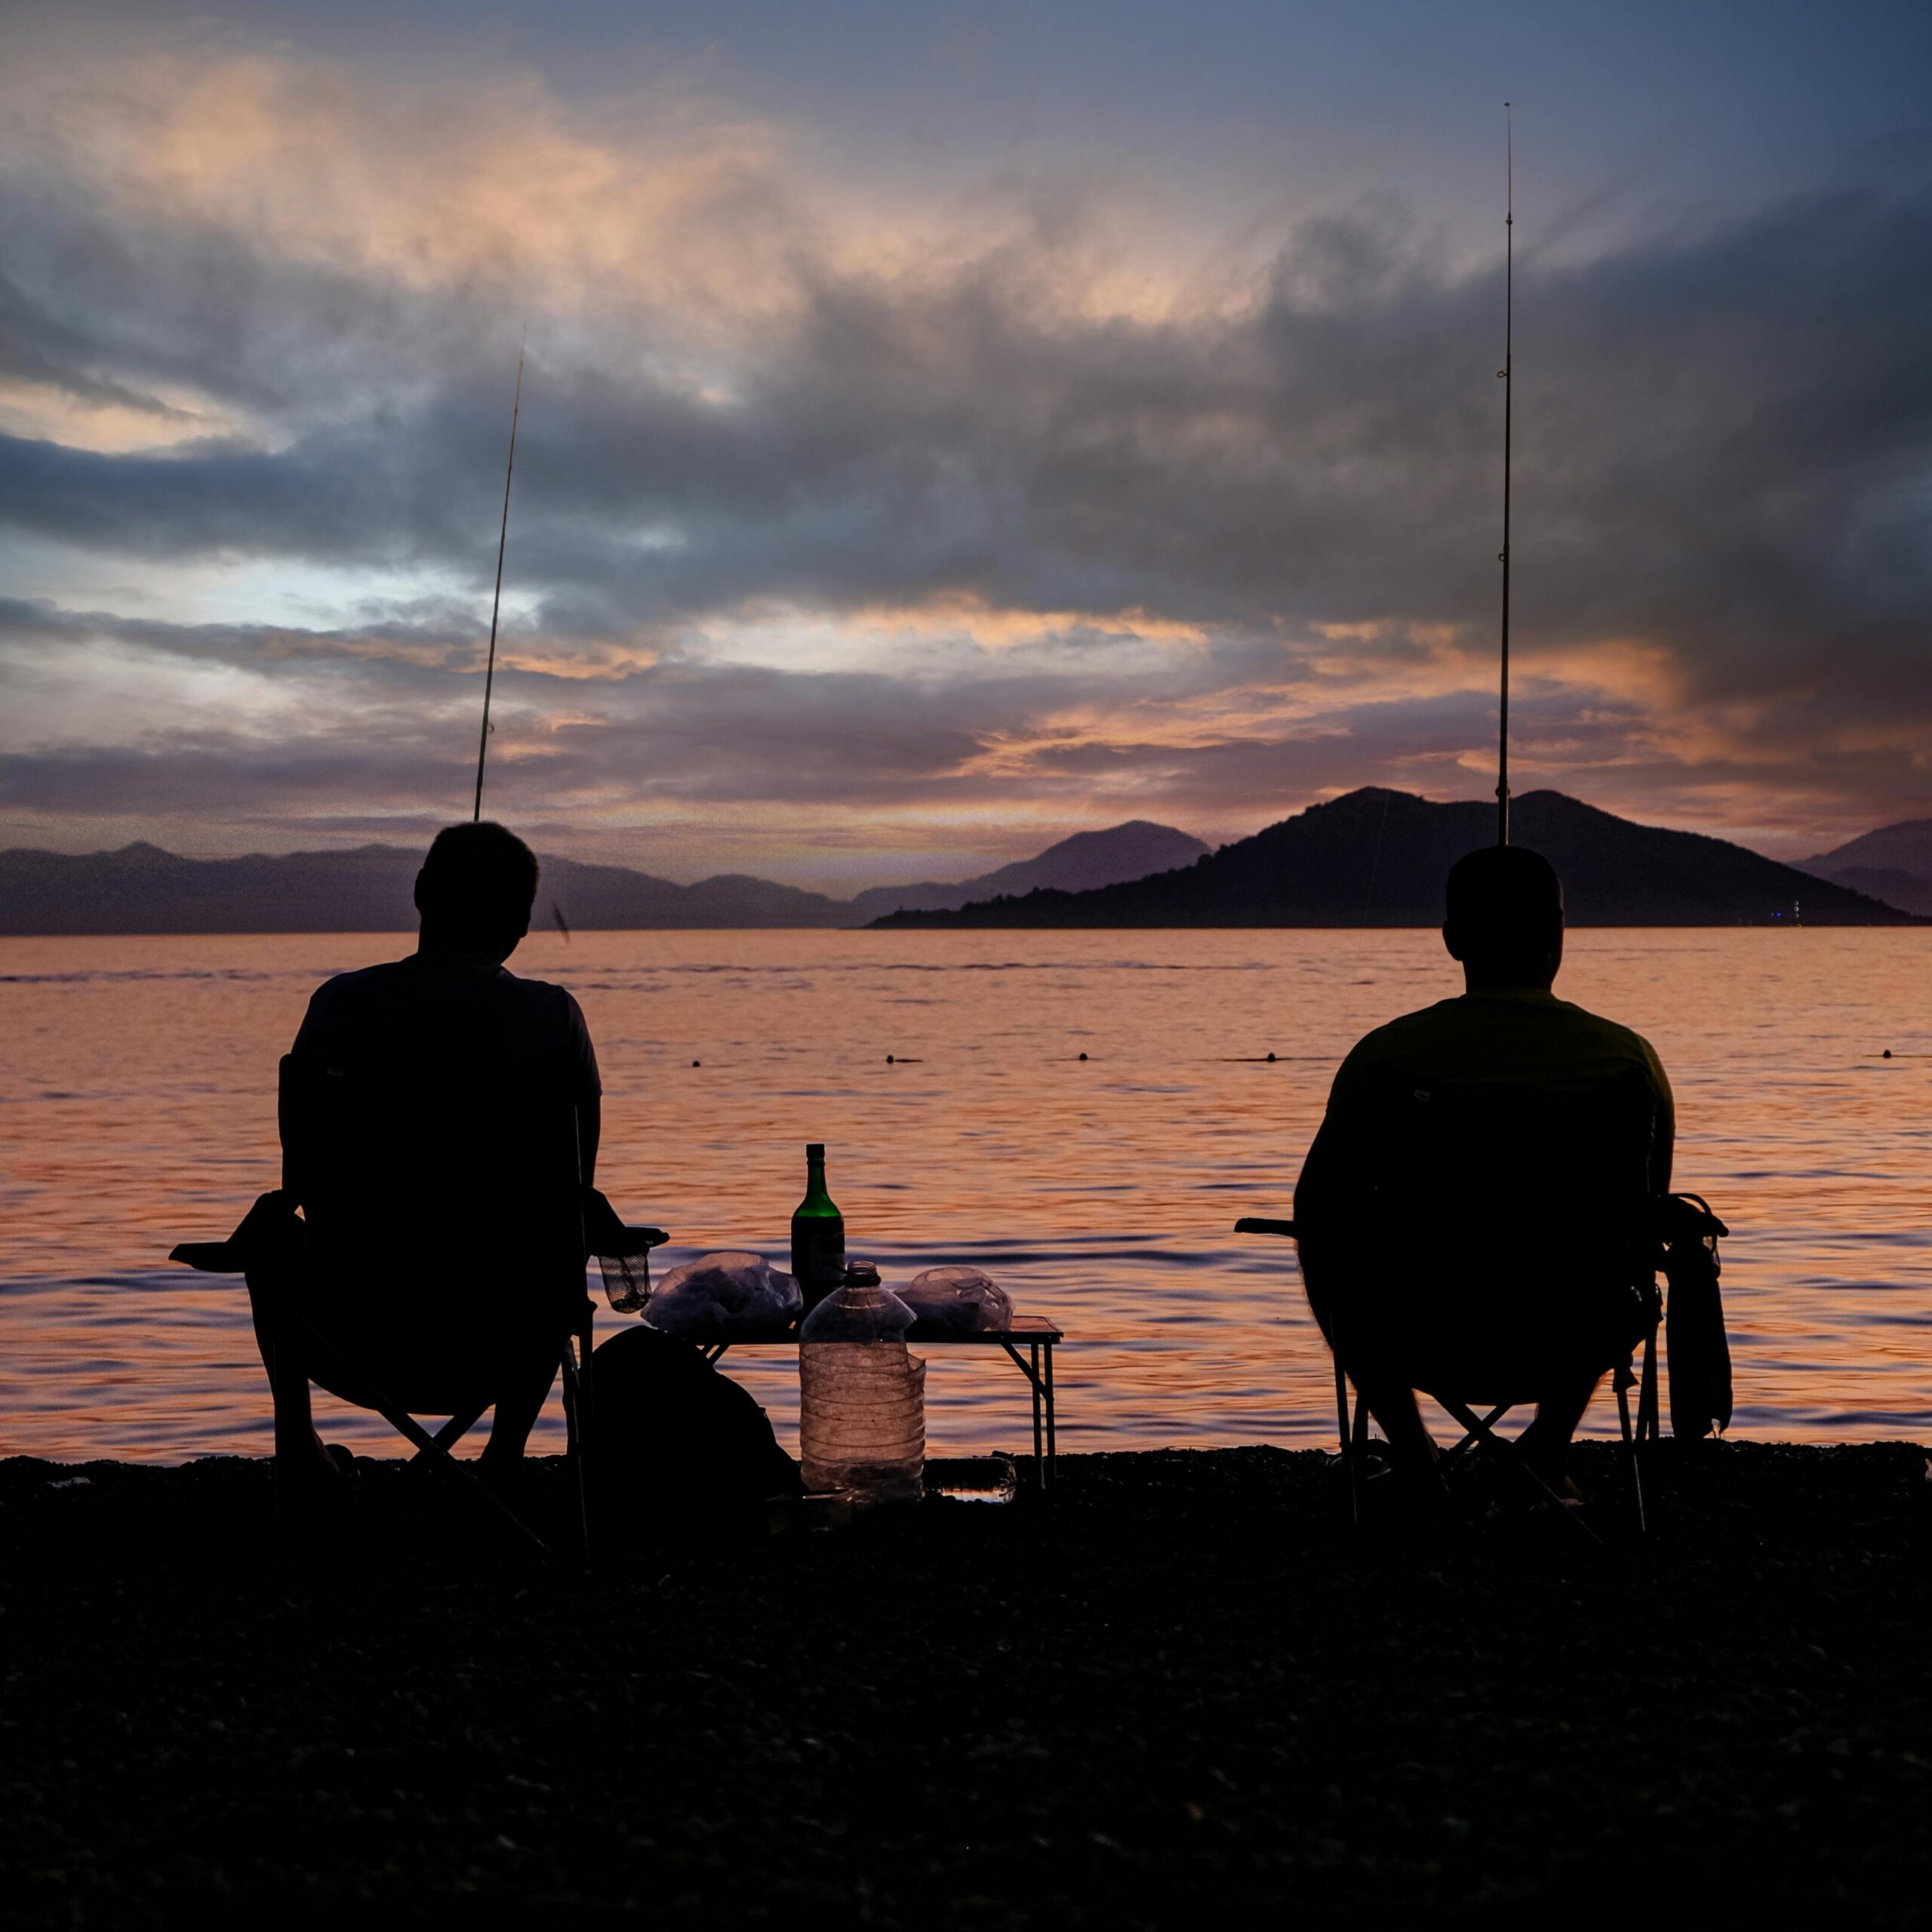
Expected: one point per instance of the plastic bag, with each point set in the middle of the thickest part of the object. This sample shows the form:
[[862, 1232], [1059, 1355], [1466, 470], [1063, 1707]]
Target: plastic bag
[[726, 1294], [958, 1301]]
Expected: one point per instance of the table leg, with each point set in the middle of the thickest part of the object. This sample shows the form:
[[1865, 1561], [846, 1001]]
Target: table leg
[[1053, 1450], [1039, 1460]]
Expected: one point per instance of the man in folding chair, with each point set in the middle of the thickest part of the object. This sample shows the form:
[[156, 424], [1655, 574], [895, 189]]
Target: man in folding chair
[[440, 1118], [1474, 1216]]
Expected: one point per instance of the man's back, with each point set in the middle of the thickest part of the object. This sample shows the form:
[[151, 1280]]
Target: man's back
[[439, 1118], [446, 1014], [1511, 1045], [427, 1128], [1480, 1183], [1507, 1092], [1472, 1217]]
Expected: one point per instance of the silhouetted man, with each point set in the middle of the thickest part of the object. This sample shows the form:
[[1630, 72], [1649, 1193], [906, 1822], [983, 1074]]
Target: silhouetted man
[[445, 1309], [1472, 1210]]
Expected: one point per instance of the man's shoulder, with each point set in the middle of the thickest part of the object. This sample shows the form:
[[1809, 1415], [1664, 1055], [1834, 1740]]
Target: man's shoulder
[[1394, 1037], [1610, 1032], [545, 993], [359, 983], [420, 979], [1475, 1024]]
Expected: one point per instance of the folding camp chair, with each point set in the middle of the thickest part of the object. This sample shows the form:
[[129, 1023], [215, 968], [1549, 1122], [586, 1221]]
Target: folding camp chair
[[438, 1218], [1493, 1285]]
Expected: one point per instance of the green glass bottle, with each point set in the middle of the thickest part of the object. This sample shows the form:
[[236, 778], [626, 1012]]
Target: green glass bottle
[[818, 1234]]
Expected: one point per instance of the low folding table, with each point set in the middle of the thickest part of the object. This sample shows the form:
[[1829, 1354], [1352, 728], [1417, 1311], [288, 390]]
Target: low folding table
[[1033, 1333]]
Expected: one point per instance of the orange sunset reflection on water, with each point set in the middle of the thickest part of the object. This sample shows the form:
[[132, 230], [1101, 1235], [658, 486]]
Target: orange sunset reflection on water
[[139, 1110]]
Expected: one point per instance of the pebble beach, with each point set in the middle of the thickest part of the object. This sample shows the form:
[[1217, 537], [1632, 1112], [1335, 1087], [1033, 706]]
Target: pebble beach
[[1181, 1689]]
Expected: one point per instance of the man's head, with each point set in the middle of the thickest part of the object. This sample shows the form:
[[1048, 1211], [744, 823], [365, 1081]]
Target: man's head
[[476, 890], [1504, 917]]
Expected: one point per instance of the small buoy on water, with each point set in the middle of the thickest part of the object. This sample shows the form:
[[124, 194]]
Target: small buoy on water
[[1271, 1057], [888, 1060], [1083, 1056], [697, 1062], [1888, 1053]]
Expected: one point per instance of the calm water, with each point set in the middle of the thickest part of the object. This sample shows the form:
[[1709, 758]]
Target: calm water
[[138, 1110]]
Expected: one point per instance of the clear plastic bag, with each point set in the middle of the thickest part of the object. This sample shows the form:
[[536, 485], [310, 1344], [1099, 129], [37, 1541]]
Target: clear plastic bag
[[732, 1292], [958, 1301]]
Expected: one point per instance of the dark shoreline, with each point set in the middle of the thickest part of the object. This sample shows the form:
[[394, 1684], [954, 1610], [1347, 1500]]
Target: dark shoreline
[[1182, 1692]]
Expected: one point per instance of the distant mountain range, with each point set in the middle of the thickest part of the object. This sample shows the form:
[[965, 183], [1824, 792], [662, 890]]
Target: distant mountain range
[[1078, 864], [1374, 858], [142, 889], [1893, 863], [1377, 858]]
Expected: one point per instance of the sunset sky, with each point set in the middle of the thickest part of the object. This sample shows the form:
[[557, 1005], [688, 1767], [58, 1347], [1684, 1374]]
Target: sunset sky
[[948, 428]]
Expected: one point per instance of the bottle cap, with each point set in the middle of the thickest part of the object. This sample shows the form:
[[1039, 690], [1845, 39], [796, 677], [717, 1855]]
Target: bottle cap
[[814, 1150], [861, 1275]]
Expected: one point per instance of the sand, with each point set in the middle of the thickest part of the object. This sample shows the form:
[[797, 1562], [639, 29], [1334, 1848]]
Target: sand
[[1183, 1693]]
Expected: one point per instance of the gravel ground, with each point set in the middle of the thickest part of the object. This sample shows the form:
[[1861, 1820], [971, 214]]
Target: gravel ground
[[1182, 1693]]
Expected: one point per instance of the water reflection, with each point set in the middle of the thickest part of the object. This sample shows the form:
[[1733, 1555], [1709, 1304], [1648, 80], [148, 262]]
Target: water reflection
[[138, 1109]]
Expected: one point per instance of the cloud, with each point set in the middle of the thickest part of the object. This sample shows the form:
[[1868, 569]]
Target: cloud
[[821, 507]]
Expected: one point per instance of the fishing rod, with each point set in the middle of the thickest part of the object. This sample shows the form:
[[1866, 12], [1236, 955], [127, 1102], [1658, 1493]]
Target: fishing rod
[[1508, 329], [503, 537]]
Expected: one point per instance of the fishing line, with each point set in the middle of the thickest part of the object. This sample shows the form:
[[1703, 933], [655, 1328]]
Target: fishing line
[[1375, 864], [1509, 330], [496, 605]]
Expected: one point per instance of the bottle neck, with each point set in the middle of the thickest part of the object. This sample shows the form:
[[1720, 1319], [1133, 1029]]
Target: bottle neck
[[816, 1201]]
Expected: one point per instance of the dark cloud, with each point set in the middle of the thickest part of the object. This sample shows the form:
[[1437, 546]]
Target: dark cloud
[[1725, 444], [1719, 438]]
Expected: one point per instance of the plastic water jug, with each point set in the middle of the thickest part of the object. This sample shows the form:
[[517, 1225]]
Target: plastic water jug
[[862, 1397]]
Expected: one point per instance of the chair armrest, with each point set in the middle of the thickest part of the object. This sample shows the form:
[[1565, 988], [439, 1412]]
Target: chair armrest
[[604, 1234], [211, 1257], [635, 1242], [269, 1236]]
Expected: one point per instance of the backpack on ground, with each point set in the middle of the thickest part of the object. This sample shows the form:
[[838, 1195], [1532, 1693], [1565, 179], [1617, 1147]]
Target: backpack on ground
[[679, 1446]]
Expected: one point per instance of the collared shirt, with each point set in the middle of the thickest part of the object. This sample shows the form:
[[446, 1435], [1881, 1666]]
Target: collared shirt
[[447, 1013], [1502, 1041]]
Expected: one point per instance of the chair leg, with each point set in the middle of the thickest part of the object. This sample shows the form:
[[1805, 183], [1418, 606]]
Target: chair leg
[[1621, 1378], [1467, 1418], [589, 1500], [1358, 1456], [457, 1427], [1489, 1421], [1343, 1432], [413, 1432], [577, 1436], [1646, 1397]]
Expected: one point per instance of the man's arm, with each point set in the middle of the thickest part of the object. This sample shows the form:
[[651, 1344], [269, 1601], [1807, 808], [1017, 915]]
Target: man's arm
[[1320, 1184], [590, 1129], [290, 1121], [1332, 1168], [587, 1091], [1663, 1141]]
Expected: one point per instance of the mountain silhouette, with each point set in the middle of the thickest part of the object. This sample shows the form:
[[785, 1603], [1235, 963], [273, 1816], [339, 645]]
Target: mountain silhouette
[[365, 889], [1078, 864], [140, 888], [1893, 863], [1378, 858]]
